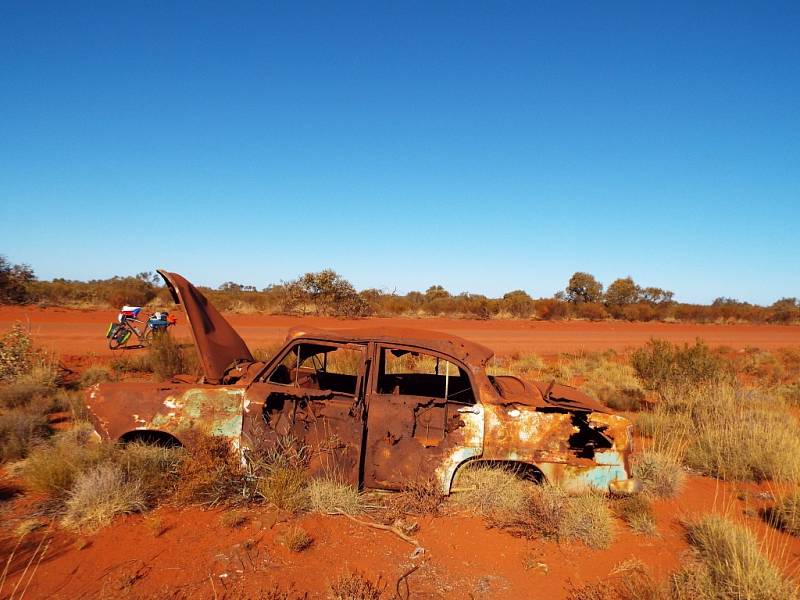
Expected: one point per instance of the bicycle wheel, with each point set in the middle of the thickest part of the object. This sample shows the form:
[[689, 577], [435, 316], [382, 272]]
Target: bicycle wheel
[[119, 338], [147, 336]]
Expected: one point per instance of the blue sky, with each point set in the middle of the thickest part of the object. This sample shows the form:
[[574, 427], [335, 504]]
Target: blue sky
[[482, 146]]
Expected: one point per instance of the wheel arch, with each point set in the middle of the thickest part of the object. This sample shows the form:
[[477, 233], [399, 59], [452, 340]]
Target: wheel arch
[[153, 437], [524, 470]]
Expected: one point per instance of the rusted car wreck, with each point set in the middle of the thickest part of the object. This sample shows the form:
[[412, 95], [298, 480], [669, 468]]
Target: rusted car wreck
[[377, 407]]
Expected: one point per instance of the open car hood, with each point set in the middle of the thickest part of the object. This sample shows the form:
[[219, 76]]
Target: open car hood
[[218, 344]]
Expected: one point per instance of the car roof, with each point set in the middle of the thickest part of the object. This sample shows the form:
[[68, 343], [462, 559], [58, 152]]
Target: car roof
[[452, 345]]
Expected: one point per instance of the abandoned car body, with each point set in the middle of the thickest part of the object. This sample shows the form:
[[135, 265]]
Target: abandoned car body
[[377, 407]]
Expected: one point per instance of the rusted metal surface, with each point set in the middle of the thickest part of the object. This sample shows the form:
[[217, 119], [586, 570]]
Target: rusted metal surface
[[218, 344], [367, 433]]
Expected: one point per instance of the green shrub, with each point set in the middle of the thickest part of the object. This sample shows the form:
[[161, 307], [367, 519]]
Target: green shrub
[[661, 365], [661, 475], [17, 355], [728, 564]]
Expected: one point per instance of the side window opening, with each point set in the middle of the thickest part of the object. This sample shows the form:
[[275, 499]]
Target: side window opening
[[319, 367], [409, 373]]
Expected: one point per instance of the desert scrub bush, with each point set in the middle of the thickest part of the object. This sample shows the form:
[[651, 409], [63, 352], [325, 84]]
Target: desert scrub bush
[[17, 355], [728, 564], [790, 394], [486, 489], [210, 473], [279, 471], [99, 495], [96, 374], [637, 512], [328, 496], [19, 431], [548, 511], [132, 363], [614, 384], [296, 539], [418, 497], [167, 357], [588, 520], [661, 365], [786, 513], [661, 475], [22, 363], [17, 394], [739, 434], [52, 468], [354, 585], [154, 468]]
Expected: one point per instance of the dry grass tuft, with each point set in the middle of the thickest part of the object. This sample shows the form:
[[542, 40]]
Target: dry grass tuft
[[52, 469], [786, 513], [728, 564], [210, 473], [548, 511], [630, 580], [167, 357], [156, 525], [588, 520], [99, 495], [661, 475], [637, 512], [487, 490], [19, 431], [233, 519], [97, 374], [354, 585], [418, 497], [296, 539], [328, 496]]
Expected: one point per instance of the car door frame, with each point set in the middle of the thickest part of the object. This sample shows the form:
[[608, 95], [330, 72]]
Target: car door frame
[[344, 416], [392, 457]]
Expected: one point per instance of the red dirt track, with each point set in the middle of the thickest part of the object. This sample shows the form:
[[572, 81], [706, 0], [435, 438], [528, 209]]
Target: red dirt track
[[70, 331]]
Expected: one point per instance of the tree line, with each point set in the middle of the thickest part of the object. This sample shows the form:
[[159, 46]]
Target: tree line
[[328, 293]]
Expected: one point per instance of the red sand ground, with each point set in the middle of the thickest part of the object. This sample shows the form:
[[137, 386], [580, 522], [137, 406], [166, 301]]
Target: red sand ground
[[69, 331], [197, 557]]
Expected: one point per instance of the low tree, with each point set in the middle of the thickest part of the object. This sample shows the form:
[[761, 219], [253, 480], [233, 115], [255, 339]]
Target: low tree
[[436, 292], [329, 293], [519, 304], [622, 291], [583, 287], [655, 295], [14, 280]]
